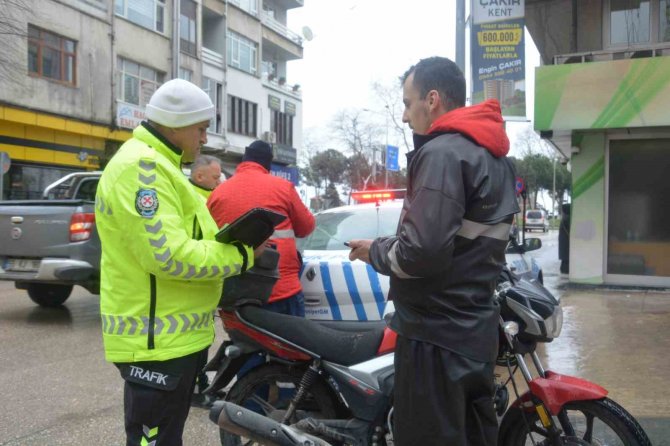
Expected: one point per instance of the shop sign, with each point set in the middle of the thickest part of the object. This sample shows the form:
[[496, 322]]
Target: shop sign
[[485, 11], [274, 102], [284, 154], [287, 173], [128, 116], [289, 108], [498, 56]]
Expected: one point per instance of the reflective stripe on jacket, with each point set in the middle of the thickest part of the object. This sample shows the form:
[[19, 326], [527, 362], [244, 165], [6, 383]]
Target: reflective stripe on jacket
[[161, 270]]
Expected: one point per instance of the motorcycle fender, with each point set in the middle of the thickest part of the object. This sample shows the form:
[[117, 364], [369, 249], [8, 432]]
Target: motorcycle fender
[[556, 390], [226, 367]]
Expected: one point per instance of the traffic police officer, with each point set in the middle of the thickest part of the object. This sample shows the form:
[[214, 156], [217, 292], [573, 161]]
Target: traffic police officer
[[161, 269]]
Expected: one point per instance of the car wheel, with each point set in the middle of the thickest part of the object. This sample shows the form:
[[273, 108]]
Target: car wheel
[[48, 295]]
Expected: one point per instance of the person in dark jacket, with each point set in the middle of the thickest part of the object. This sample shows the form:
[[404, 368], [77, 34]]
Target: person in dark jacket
[[444, 261]]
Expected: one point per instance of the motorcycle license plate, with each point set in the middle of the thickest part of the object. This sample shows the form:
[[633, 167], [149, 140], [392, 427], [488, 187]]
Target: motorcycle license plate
[[22, 265]]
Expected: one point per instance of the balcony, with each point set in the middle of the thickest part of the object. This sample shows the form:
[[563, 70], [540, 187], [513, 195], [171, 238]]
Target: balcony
[[290, 4], [280, 28], [655, 50], [212, 58], [271, 81]]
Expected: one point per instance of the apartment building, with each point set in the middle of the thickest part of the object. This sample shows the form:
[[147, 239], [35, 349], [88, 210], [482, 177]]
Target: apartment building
[[601, 98], [76, 75]]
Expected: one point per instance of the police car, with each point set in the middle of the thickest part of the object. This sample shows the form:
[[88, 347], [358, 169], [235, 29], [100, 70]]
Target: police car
[[336, 288]]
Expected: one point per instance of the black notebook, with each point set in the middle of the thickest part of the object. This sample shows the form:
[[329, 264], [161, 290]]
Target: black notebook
[[252, 228]]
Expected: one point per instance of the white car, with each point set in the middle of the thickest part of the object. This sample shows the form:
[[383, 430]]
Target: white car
[[336, 288]]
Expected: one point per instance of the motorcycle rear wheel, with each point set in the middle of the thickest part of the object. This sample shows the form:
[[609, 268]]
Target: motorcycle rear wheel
[[598, 422], [271, 387]]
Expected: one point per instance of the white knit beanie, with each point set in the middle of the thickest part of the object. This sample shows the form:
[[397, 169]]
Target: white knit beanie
[[179, 103]]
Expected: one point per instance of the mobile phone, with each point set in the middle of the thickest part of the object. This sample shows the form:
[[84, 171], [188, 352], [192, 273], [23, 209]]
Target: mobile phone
[[347, 244]]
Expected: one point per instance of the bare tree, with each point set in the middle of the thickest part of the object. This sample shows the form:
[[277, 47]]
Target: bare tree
[[390, 97], [528, 142], [361, 137]]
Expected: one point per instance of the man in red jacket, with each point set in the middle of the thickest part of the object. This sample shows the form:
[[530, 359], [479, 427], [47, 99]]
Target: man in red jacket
[[252, 186]]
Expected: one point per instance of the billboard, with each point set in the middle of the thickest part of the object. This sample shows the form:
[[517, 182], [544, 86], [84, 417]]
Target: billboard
[[498, 56]]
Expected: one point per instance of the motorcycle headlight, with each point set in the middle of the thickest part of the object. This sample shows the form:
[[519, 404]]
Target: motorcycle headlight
[[554, 323]]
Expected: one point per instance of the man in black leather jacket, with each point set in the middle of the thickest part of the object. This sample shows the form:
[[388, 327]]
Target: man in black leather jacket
[[445, 259]]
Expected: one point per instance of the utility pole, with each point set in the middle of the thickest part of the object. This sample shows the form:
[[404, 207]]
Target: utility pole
[[374, 164], [553, 193], [460, 34], [386, 151]]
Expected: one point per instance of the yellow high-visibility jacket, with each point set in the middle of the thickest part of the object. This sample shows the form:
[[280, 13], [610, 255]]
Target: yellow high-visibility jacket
[[161, 269]]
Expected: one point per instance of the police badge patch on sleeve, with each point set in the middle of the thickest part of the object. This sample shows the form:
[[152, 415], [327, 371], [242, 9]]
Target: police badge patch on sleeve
[[146, 202]]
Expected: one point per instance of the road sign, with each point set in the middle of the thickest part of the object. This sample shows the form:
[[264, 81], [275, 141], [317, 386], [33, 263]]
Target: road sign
[[520, 185], [5, 162], [392, 158]]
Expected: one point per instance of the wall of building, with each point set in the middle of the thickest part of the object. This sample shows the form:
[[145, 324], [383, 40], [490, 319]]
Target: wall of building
[[88, 99], [50, 124], [245, 24], [132, 42], [247, 87], [587, 227], [590, 26], [550, 25]]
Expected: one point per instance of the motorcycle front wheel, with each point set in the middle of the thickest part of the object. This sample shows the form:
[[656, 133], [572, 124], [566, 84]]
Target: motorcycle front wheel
[[598, 422], [268, 390]]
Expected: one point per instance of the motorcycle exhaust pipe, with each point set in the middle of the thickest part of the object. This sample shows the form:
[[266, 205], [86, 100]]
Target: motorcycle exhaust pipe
[[266, 431]]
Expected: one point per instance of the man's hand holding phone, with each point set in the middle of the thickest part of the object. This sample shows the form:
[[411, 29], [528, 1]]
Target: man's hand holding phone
[[360, 249]]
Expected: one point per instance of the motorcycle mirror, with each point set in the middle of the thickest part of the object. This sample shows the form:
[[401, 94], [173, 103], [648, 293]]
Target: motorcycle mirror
[[532, 244]]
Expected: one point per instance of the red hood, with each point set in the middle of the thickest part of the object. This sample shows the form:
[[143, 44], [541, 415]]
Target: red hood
[[483, 123]]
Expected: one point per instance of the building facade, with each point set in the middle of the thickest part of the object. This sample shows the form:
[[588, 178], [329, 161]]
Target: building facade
[[601, 99], [76, 76]]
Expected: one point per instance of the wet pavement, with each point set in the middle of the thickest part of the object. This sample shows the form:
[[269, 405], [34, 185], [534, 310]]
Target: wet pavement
[[617, 338], [57, 389]]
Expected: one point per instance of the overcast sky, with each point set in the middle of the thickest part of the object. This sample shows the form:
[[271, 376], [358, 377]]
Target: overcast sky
[[358, 42]]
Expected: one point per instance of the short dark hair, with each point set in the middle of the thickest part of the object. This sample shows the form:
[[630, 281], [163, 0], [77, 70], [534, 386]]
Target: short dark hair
[[441, 74]]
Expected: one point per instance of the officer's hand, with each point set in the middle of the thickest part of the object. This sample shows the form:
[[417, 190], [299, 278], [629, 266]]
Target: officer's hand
[[360, 249], [259, 251]]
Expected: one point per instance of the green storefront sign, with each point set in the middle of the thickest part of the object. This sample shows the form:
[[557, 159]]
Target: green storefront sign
[[603, 95]]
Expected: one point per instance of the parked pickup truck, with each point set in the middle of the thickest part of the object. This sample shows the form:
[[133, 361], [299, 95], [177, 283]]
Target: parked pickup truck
[[47, 246]]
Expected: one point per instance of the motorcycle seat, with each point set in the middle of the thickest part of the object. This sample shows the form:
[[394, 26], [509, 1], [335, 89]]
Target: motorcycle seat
[[344, 347]]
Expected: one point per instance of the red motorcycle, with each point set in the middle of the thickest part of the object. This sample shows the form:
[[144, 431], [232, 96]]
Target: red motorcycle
[[331, 383]]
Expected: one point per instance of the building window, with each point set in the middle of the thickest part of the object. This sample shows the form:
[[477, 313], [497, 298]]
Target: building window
[[250, 6], [136, 83], [186, 74], [638, 234], [242, 53], [187, 27], [282, 125], [147, 13], [630, 22], [215, 91], [51, 56], [664, 25], [242, 116]]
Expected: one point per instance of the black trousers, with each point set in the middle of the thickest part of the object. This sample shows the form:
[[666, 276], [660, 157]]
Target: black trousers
[[441, 398], [157, 399]]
